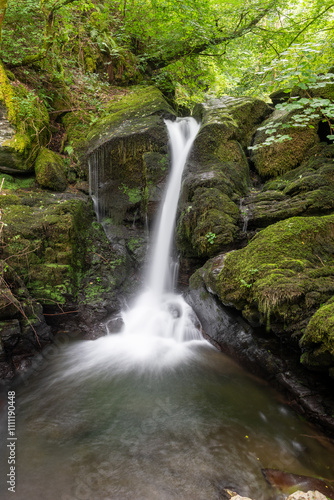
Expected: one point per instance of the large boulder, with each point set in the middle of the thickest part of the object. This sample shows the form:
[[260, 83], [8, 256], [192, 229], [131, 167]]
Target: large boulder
[[23, 330], [25, 126], [127, 154], [282, 277], [52, 240], [217, 175]]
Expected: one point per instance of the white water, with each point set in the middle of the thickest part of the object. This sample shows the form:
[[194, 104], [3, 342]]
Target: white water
[[160, 329], [182, 134]]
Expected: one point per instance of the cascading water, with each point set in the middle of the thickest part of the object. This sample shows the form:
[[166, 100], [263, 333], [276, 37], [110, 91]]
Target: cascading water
[[153, 412], [158, 312], [160, 329], [182, 134]]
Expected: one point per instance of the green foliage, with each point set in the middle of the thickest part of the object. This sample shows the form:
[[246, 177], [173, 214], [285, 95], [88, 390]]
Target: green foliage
[[211, 237], [187, 48], [134, 194], [296, 73]]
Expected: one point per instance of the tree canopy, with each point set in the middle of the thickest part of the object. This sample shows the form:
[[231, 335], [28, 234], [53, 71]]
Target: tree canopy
[[193, 46]]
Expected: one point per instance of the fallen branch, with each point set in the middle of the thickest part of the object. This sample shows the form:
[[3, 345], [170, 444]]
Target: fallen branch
[[59, 314]]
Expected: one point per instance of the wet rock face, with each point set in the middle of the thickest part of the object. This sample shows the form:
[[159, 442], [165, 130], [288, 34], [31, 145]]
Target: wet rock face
[[23, 128], [23, 330]]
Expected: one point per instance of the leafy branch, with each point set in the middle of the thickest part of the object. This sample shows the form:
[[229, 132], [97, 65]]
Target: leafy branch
[[300, 79]]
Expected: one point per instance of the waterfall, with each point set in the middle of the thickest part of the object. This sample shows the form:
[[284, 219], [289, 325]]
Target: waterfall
[[158, 312], [96, 175], [160, 330], [182, 133]]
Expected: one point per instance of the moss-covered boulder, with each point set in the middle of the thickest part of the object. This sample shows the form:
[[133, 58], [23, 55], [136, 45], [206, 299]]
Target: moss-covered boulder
[[41, 241], [122, 178], [217, 175], [25, 122], [306, 190], [282, 277], [63, 255], [50, 171], [235, 117], [281, 157], [317, 341]]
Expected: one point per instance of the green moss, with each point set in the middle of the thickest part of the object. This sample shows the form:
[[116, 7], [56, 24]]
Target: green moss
[[279, 158], [6, 95], [292, 258], [306, 190], [50, 170], [8, 199], [45, 242], [318, 338], [134, 110], [211, 211], [27, 113]]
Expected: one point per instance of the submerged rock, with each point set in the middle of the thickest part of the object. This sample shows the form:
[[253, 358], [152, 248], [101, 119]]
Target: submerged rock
[[308, 487]]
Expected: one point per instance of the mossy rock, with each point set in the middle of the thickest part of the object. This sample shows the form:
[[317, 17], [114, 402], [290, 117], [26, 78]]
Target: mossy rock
[[118, 117], [44, 241], [17, 182], [217, 175], [281, 157], [50, 171], [26, 124], [306, 190], [284, 274], [236, 117], [208, 224], [317, 341]]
